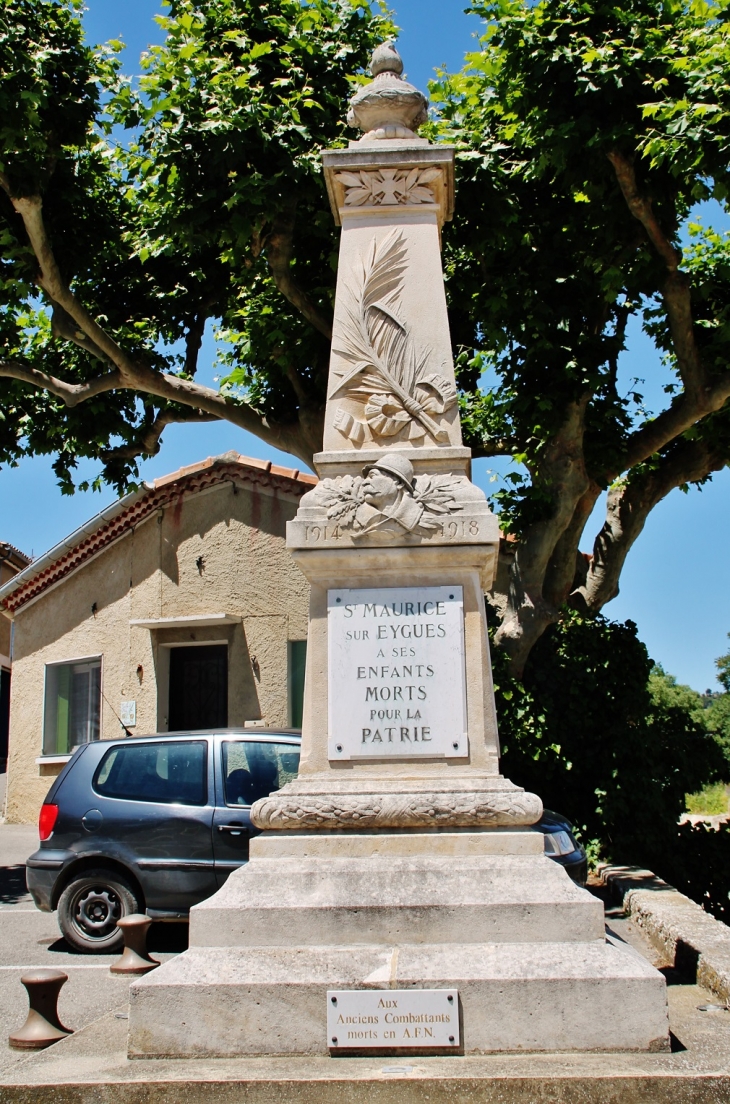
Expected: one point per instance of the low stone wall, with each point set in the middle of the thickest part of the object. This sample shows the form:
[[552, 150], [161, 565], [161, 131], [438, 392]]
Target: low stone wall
[[712, 820], [691, 939]]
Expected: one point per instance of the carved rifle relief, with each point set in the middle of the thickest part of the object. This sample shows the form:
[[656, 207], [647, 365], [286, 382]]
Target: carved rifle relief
[[388, 374]]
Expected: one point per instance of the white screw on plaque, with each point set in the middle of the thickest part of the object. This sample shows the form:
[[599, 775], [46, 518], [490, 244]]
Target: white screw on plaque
[[382, 1018], [396, 673]]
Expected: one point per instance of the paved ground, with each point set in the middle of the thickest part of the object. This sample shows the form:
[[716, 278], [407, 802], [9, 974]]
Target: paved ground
[[29, 938], [94, 1003]]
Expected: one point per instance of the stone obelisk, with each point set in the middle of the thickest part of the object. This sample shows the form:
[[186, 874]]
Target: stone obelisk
[[400, 858]]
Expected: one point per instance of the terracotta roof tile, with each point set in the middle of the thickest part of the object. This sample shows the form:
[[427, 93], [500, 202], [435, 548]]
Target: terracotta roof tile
[[7, 550], [265, 465]]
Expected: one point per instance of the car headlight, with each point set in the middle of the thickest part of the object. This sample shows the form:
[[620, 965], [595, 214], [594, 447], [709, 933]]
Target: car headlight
[[558, 843]]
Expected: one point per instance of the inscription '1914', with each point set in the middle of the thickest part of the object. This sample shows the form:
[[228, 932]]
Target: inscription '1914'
[[396, 665]]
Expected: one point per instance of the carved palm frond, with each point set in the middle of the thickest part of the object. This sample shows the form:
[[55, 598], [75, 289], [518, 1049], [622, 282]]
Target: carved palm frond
[[377, 342]]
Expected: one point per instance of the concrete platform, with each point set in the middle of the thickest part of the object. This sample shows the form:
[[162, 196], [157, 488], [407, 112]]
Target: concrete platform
[[524, 946], [92, 1067]]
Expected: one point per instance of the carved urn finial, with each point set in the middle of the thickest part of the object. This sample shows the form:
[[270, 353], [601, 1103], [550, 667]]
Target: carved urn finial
[[388, 107]]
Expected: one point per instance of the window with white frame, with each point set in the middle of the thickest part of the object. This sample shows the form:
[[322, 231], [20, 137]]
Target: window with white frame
[[72, 712]]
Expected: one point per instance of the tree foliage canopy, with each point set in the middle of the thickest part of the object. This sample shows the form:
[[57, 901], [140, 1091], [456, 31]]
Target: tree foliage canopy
[[130, 216], [606, 737], [586, 134]]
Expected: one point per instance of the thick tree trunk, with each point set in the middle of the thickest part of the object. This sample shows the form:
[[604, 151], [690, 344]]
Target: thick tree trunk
[[562, 475]]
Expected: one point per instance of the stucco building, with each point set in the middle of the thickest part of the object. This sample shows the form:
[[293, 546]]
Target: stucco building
[[176, 608], [12, 560]]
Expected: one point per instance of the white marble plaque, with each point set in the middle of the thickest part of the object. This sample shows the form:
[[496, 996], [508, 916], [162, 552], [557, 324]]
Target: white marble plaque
[[397, 684], [128, 713], [392, 1018]]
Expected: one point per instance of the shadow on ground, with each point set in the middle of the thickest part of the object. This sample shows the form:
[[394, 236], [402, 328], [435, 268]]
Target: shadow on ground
[[683, 971], [12, 884], [162, 939]]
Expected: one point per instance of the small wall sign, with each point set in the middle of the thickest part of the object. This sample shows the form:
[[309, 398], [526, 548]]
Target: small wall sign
[[128, 713], [382, 1018]]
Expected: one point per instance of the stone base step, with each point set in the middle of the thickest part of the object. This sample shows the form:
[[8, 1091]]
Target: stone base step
[[387, 899], [228, 1002]]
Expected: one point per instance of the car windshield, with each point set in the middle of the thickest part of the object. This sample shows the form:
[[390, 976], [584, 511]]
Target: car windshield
[[253, 769]]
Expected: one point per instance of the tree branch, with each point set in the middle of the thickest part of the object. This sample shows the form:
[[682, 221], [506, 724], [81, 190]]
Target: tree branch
[[560, 574], [701, 396], [562, 474], [194, 336], [148, 438], [63, 325], [641, 208], [673, 422], [296, 382], [279, 253], [629, 504], [71, 393], [134, 375], [30, 209]]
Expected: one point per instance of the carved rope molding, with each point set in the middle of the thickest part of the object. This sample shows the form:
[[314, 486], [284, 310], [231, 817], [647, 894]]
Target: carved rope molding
[[388, 187], [484, 809]]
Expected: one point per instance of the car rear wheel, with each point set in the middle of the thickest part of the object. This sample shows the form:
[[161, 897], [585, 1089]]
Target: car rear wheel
[[89, 907]]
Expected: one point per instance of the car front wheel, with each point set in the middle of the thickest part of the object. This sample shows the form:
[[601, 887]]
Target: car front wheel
[[89, 907]]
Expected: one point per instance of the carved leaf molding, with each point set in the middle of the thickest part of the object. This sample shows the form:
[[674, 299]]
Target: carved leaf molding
[[458, 810], [388, 187]]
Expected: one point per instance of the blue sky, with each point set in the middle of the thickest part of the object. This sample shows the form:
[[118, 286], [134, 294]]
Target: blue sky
[[675, 583]]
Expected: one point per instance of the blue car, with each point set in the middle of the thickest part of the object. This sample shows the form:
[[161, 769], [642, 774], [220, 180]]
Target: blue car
[[562, 846], [151, 824]]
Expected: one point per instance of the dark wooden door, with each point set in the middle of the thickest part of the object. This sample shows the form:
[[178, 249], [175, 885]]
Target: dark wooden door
[[4, 717], [198, 688]]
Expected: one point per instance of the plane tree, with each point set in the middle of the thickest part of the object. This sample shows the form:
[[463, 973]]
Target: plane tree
[[588, 134], [132, 216]]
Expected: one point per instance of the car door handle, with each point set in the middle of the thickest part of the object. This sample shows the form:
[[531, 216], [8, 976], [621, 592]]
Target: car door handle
[[234, 829]]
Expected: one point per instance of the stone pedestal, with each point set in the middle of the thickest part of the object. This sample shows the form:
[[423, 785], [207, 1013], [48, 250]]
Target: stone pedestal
[[400, 858], [483, 912]]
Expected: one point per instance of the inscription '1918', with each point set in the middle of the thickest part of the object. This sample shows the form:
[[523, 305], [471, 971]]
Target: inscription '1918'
[[396, 672]]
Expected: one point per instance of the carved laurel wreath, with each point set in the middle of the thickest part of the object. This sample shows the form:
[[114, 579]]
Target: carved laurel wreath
[[341, 497]]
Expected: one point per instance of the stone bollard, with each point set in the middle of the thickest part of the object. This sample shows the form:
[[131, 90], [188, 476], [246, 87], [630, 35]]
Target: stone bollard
[[42, 1027], [134, 958]]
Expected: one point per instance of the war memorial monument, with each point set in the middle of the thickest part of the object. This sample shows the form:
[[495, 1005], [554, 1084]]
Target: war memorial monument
[[397, 899]]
